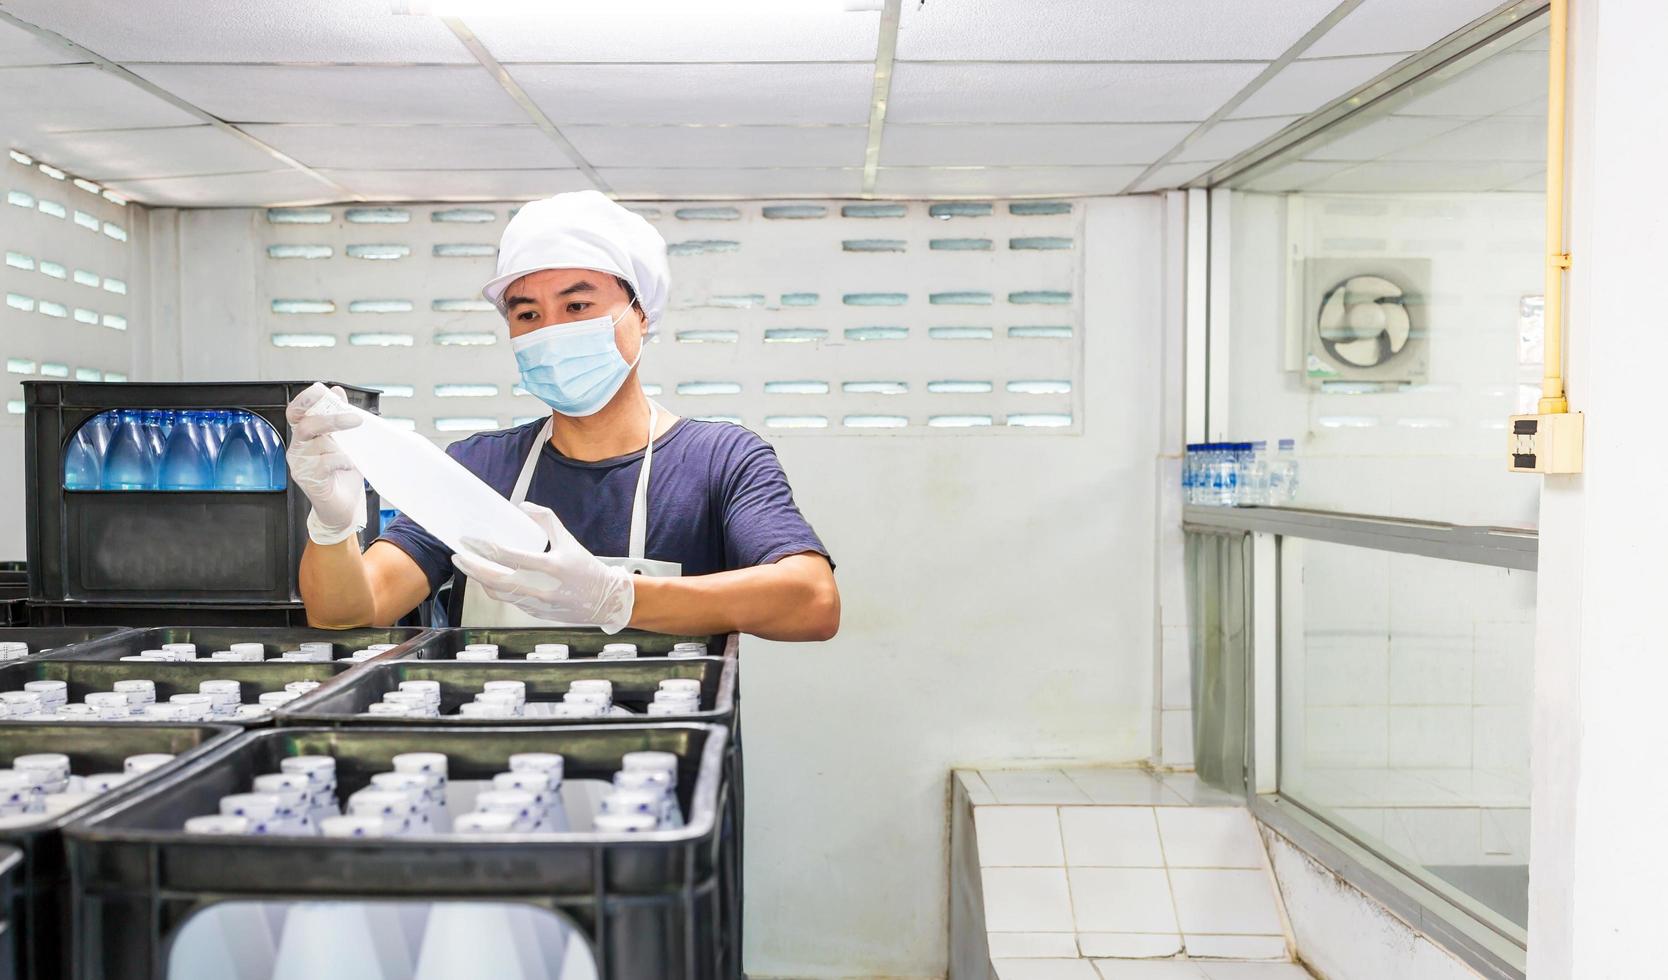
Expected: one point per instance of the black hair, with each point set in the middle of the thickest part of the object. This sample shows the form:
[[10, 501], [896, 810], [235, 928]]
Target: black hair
[[631, 294]]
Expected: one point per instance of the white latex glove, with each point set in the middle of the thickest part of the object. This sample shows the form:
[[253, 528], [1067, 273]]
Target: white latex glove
[[322, 471], [566, 584]]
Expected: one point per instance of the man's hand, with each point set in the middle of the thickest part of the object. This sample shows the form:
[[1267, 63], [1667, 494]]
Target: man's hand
[[322, 471], [566, 584]]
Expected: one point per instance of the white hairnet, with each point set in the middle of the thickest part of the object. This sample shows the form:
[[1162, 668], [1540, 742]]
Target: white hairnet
[[584, 230]]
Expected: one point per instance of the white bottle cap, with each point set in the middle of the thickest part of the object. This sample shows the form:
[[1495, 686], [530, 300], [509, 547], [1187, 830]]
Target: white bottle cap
[[617, 651], [319, 769], [526, 781], [185, 651], [301, 657], [391, 710], [318, 646], [250, 712], [430, 690], [547, 762], [592, 684], [681, 651], [478, 655], [138, 690], [18, 787], [13, 650], [550, 651], [484, 709], [380, 803], [55, 764], [165, 712], [481, 646], [256, 806], [517, 803], [222, 692], [411, 699], [504, 699], [276, 699], [663, 761], [419, 762], [145, 762], [22, 702], [542, 656], [300, 687], [293, 790], [624, 823], [587, 697], [684, 685], [633, 801], [249, 651], [104, 782], [216, 655], [217, 824], [109, 704], [517, 688], [414, 785], [484, 823], [577, 709], [49, 690], [352, 826], [195, 706], [360, 656], [643, 779], [147, 658], [659, 708]]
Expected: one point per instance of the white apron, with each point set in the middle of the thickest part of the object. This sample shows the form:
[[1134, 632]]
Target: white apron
[[480, 609]]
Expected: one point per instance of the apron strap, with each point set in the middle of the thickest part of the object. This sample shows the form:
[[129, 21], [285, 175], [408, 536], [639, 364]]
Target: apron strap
[[639, 500]]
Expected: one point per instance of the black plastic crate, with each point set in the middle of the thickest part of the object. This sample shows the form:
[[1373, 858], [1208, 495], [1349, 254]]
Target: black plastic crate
[[634, 685], [276, 639], [171, 677], [104, 547], [650, 904], [149, 614], [39, 907], [584, 644], [11, 867], [59, 639]]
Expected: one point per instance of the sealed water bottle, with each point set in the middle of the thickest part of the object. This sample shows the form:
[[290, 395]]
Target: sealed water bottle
[[83, 468], [129, 463], [1282, 474], [242, 462]]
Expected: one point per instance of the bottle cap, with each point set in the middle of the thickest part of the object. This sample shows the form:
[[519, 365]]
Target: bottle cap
[[527, 781], [159, 655], [484, 823], [185, 651], [429, 689], [547, 762], [517, 688], [624, 823], [617, 651], [478, 655], [165, 712], [222, 691], [217, 824], [633, 801], [300, 687], [380, 803], [506, 699], [485, 709], [13, 650], [22, 702], [249, 651], [48, 690], [319, 769], [145, 762], [145, 658], [664, 761], [652, 780], [681, 685], [54, 763], [392, 710], [318, 646], [681, 651], [257, 806], [138, 690], [587, 697], [518, 803], [420, 762], [250, 712], [106, 700], [665, 708], [550, 651], [414, 784], [578, 709], [353, 826], [104, 782], [592, 684]]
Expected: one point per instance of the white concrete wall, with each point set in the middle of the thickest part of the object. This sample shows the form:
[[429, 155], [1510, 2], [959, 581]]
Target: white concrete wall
[[998, 589]]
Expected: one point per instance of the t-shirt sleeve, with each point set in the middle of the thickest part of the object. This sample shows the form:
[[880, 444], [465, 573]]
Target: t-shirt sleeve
[[762, 524]]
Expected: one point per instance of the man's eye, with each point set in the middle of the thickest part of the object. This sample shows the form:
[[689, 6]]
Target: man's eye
[[577, 307]]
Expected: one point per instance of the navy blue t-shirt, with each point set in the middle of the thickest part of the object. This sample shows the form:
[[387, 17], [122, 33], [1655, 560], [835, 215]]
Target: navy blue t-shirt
[[718, 500]]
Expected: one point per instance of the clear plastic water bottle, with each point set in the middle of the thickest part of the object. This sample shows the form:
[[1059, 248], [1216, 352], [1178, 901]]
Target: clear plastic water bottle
[[242, 463], [129, 463], [212, 425], [185, 459], [98, 429], [273, 446], [1282, 474], [82, 462], [158, 424]]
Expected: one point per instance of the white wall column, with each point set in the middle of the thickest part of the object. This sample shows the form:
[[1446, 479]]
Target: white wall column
[[1598, 851]]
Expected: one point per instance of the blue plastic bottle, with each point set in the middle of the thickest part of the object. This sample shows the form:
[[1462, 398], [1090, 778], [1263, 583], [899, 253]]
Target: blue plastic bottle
[[99, 429], [157, 424], [185, 460], [129, 463], [242, 463], [82, 461], [277, 467]]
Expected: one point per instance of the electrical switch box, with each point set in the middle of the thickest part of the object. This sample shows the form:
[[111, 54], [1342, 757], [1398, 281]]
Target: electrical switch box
[[1544, 443]]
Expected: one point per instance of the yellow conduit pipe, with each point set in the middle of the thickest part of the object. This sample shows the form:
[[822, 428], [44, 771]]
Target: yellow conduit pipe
[[1553, 400]]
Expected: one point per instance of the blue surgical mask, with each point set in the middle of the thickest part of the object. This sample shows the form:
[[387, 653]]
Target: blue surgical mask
[[575, 368]]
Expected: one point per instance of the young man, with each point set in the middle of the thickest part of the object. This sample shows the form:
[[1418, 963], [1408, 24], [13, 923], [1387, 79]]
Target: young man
[[655, 522]]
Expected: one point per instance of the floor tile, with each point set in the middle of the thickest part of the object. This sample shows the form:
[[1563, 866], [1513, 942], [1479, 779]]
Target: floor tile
[[1042, 786], [1030, 945], [1209, 837], [1044, 969], [1111, 837], [1123, 786], [1129, 945], [1195, 792], [1122, 900], [1254, 971], [1026, 900], [1018, 836], [1237, 947], [1234, 902], [1148, 970]]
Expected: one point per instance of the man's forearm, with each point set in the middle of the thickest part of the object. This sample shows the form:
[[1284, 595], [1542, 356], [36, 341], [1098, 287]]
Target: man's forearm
[[335, 586], [793, 599]]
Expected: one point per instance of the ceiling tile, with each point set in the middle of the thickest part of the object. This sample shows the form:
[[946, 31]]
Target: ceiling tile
[[1173, 175], [905, 145], [720, 146], [788, 182], [78, 97], [1383, 26], [1404, 176], [21, 47], [416, 147], [1535, 183], [1496, 85], [456, 185], [1096, 30], [1304, 86], [625, 95], [1499, 138], [138, 153], [677, 30], [227, 190], [1001, 181], [339, 93], [1385, 134], [1062, 92], [1230, 136], [214, 30]]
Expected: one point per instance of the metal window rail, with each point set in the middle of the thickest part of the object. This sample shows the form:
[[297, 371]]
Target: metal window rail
[[1478, 545]]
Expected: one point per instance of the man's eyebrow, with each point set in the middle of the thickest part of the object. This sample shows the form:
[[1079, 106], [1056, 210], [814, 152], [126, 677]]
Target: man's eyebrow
[[582, 286]]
